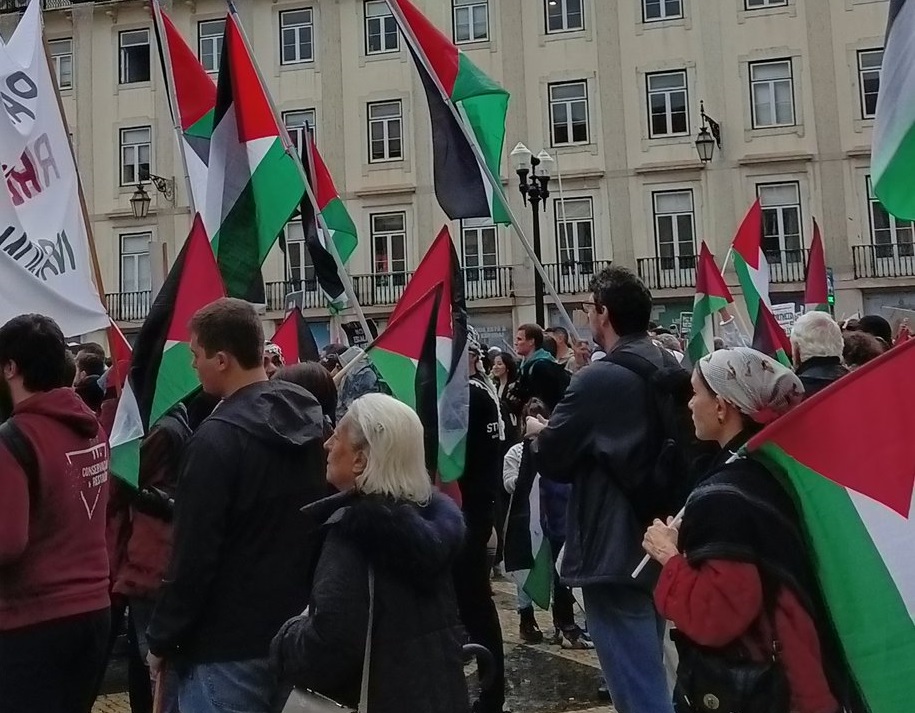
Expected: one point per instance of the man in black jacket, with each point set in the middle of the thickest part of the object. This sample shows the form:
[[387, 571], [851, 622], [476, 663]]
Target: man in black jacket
[[603, 439], [817, 346], [241, 551], [540, 376]]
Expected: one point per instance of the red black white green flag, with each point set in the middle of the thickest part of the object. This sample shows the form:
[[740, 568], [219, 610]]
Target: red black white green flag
[[816, 288], [295, 339]]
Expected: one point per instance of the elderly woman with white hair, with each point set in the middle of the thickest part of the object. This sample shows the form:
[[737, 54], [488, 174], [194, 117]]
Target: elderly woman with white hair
[[817, 346], [381, 589], [737, 580]]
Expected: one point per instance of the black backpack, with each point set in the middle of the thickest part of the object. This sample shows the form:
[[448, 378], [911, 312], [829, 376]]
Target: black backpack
[[22, 450], [682, 458]]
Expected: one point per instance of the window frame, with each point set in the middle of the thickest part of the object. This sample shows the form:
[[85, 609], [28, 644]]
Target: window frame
[[122, 255], [784, 252], [471, 6], [307, 281], [397, 278], [771, 82], [216, 40], [57, 59], [862, 103], [765, 4], [383, 19], [564, 14], [570, 246], [570, 125], [296, 130], [307, 27], [888, 250], [136, 163], [386, 122], [664, 16], [480, 229], [649, 93], [123, 63], [678, 261]]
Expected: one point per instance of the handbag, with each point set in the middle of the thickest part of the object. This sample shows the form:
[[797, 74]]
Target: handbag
[[305, 701]]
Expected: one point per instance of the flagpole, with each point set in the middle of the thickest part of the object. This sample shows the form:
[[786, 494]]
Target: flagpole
[[288, 146], [494, 182]]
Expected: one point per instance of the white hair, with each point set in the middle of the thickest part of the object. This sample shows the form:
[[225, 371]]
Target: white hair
[[391, 435], [816, 334]]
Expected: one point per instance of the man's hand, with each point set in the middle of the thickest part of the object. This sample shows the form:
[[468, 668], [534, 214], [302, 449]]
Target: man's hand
[[534, 425], [156, 665]]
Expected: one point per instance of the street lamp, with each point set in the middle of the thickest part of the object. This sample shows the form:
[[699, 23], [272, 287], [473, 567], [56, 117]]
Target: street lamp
[[140, 200], [709, 136], [534, 188]]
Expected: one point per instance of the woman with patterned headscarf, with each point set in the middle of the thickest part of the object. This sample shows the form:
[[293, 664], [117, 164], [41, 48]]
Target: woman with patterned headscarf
[[736, 580]]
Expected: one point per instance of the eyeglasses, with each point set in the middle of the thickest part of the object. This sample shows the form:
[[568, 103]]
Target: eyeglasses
[[587, 305]]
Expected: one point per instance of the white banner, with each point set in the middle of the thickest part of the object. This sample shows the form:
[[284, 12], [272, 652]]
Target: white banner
[[45, 264]]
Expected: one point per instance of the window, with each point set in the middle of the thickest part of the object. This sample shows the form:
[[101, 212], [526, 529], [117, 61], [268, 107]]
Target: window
[[564, 15], [675, 229], [134, 56], [300, 268], [781, 214], [569, 113], [389, 251], [759, 4], [869, 63], [667, 102], [657, 10], [209, 43], [772, 94], [62, 61], [471, 20], [296, 36], [297, 122], [385, 132], [575, 235], [889, 233], [135, 275], [381, 33], [480, 238], [136, 147]]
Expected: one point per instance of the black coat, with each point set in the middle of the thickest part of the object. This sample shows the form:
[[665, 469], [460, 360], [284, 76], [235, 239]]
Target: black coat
[[416, 662], [819, 372], [240, 541], [601, 438], [481, 483]]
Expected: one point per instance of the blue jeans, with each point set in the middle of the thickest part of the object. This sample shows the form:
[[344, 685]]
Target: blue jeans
[[627, 634], [229, 687]]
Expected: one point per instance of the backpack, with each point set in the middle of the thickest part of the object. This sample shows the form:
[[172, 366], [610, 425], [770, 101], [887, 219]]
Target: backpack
[[682, 458], [22, 450]]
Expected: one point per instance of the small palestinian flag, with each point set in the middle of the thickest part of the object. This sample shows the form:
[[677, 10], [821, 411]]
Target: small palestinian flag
[[121, 353], [816, 290], [160, 372], [461, 185], [857, 510], [253, 185], [712, 296], [295, 339], [752, 268]]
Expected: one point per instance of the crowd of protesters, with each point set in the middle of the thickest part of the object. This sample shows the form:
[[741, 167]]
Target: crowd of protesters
[[285, 539]]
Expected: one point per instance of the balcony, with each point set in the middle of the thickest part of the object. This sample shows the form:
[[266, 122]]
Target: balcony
[[787, 266], [667, 273], [128, 306], [573, 278], [890, 260], [9, 6]]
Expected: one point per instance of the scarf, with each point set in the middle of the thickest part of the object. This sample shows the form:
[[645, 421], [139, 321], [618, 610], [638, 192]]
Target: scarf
[[539, 355], [490, 388]]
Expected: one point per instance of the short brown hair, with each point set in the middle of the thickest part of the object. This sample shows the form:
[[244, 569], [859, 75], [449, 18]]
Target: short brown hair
[[533, 331], [232, 326], [860, 348]]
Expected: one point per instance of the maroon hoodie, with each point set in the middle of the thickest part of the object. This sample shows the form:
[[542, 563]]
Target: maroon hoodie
[[53, 558]]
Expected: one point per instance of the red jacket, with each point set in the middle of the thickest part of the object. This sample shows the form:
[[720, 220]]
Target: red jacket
[[53, 558], [721, 601]]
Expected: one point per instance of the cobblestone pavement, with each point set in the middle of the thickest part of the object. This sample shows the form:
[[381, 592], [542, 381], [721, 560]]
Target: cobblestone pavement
[[539, 679]]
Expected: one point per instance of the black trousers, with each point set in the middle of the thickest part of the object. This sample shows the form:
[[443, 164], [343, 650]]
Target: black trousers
[[563, 599], [53, 667], [478, 611]]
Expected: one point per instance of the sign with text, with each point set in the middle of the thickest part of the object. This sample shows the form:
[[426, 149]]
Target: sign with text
[[686, 324], [785, 315]]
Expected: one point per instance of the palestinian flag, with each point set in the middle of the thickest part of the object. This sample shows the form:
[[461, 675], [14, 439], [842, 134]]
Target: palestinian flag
[[338, 221], [295, 339], [192, 99], [753, 273], [441, 265], [712, 296], [121, 354], [461, 184], [816, 291], [405, 356], [253, 184], [893, 146], [160, 372], [858, 511]]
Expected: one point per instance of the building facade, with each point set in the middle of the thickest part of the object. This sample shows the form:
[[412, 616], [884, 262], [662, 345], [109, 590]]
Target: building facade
[[611, 89]]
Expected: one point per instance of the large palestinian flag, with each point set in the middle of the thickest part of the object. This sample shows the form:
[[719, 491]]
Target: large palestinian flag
[[753, 273], [461, 185], [857, 506], [295, 340], [712, 296], [816, 288], [253, 185], [160, 371], [893, 146]]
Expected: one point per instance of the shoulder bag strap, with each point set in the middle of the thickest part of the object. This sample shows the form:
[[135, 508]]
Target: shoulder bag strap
[[21, 449], [367, 658]]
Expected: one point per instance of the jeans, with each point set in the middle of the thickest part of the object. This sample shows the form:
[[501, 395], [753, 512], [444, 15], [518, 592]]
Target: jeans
[[55, 666], [627, 634], [229, 687], [141, 609]]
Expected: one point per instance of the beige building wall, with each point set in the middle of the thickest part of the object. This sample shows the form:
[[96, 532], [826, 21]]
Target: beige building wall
[[620, 168]]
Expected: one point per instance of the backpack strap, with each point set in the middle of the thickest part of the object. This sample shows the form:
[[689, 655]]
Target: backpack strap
[[638, 365], [21, 449]]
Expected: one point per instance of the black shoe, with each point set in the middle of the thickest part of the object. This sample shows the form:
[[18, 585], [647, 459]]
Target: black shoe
[[528, 629], [603, 692]]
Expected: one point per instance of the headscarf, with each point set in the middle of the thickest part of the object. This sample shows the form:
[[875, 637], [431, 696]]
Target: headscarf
[[480, 380], [273, 350], [753, 383]]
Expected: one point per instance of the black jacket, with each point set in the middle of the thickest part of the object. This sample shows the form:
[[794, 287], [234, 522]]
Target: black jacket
[[601, 439], [416, 659], [481, 483], [545, 379], [819, 372], [241, 543]]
